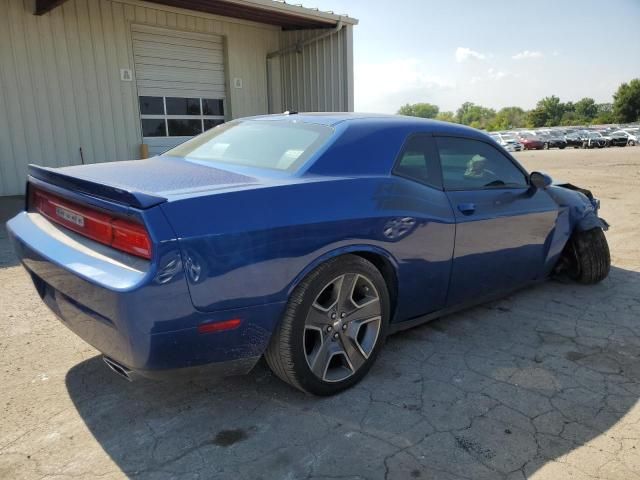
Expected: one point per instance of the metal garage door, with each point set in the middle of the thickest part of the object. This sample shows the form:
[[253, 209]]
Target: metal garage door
[[181, 84]]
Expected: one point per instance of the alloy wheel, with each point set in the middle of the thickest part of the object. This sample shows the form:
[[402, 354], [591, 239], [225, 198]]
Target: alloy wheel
[[342, 327]]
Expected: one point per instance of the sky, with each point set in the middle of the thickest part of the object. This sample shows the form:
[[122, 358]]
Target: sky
[[493, 53]]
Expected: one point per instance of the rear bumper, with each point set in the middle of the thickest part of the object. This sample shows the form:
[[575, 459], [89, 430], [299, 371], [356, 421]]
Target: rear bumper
[[146, 322], [240, 366]]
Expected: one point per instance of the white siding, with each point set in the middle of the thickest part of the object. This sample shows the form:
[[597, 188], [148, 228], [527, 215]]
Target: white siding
[[320, 78], [60, 87]]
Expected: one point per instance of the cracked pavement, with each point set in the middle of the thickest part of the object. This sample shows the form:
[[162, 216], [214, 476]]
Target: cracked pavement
[[542, 384]]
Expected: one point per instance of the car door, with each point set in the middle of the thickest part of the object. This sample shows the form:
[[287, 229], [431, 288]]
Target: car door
[[503, 226]]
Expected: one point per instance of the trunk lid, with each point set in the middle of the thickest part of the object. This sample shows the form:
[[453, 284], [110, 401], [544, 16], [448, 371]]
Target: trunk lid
[[140, 183]]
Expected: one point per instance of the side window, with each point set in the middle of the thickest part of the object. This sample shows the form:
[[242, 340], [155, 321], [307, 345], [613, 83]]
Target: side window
[[470, 165], [418, 161]]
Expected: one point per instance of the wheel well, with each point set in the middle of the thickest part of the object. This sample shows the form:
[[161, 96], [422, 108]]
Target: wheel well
[[385, 267]]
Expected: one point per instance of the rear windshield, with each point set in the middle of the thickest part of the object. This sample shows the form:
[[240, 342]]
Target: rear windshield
[[278, 145]]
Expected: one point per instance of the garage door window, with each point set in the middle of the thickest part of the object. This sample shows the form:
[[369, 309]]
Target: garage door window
[[178, 116]]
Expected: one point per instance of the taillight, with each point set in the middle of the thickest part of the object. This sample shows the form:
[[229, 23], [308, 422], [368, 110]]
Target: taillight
[[131, 237], [121, 234]]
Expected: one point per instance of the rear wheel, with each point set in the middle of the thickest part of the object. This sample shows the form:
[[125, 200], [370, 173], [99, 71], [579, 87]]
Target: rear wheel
[[333, 328], [587, 256], [631, 143]]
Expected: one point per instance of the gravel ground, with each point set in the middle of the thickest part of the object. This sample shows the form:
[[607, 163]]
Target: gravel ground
[[543, 384]]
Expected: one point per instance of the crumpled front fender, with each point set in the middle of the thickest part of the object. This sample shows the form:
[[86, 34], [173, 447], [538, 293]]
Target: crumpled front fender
[[581, 205]]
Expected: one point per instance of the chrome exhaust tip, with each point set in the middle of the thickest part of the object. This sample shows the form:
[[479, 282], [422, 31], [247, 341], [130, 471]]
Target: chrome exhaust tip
[[121, 370]]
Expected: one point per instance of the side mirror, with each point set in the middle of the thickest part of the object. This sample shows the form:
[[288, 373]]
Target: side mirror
[[540, 180]]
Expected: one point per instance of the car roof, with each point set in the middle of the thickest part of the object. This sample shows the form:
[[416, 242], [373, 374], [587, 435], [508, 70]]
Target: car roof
[[373, 119]]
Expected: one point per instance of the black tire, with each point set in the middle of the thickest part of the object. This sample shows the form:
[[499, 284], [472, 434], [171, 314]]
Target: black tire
[[631, 143], [589, 255], [286, 354]]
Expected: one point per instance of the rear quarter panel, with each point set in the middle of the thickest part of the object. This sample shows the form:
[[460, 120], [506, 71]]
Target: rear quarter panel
[[252, 247]]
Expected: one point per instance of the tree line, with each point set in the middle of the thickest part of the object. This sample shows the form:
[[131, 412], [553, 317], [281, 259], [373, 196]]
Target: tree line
[[548, 112]]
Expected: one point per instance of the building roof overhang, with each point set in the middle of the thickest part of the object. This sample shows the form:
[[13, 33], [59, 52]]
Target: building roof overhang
[[271, 12]]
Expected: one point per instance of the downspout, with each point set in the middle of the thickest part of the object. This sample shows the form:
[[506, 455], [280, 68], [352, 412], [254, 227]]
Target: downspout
[[298, 46]]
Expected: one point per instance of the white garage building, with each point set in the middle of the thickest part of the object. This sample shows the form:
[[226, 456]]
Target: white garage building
[[84, 81]]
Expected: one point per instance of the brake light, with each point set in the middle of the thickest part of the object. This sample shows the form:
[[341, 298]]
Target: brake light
[[131, 237], [121, 234]]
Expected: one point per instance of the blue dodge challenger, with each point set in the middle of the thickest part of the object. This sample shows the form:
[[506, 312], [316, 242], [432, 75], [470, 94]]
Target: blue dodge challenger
[[303, 238]]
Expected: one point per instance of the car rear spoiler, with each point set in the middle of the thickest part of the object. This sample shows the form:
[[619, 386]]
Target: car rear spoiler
[[108, 192]]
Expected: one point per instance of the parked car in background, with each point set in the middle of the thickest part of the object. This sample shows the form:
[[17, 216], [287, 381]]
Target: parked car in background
[[573, 140], [300, 238], [605, 133], [617, 139], [634, 135], [584, 137], [508, 141], [576, 137], [631, 135], [550, 140], [529, 141], [560, 138], [496, 138], [594, 140]]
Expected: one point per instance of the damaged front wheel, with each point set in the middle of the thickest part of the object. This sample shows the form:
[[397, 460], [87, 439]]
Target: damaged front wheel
[[587, 256]]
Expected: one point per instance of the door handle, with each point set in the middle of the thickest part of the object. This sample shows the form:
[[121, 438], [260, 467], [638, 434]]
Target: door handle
[[467, 208]]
